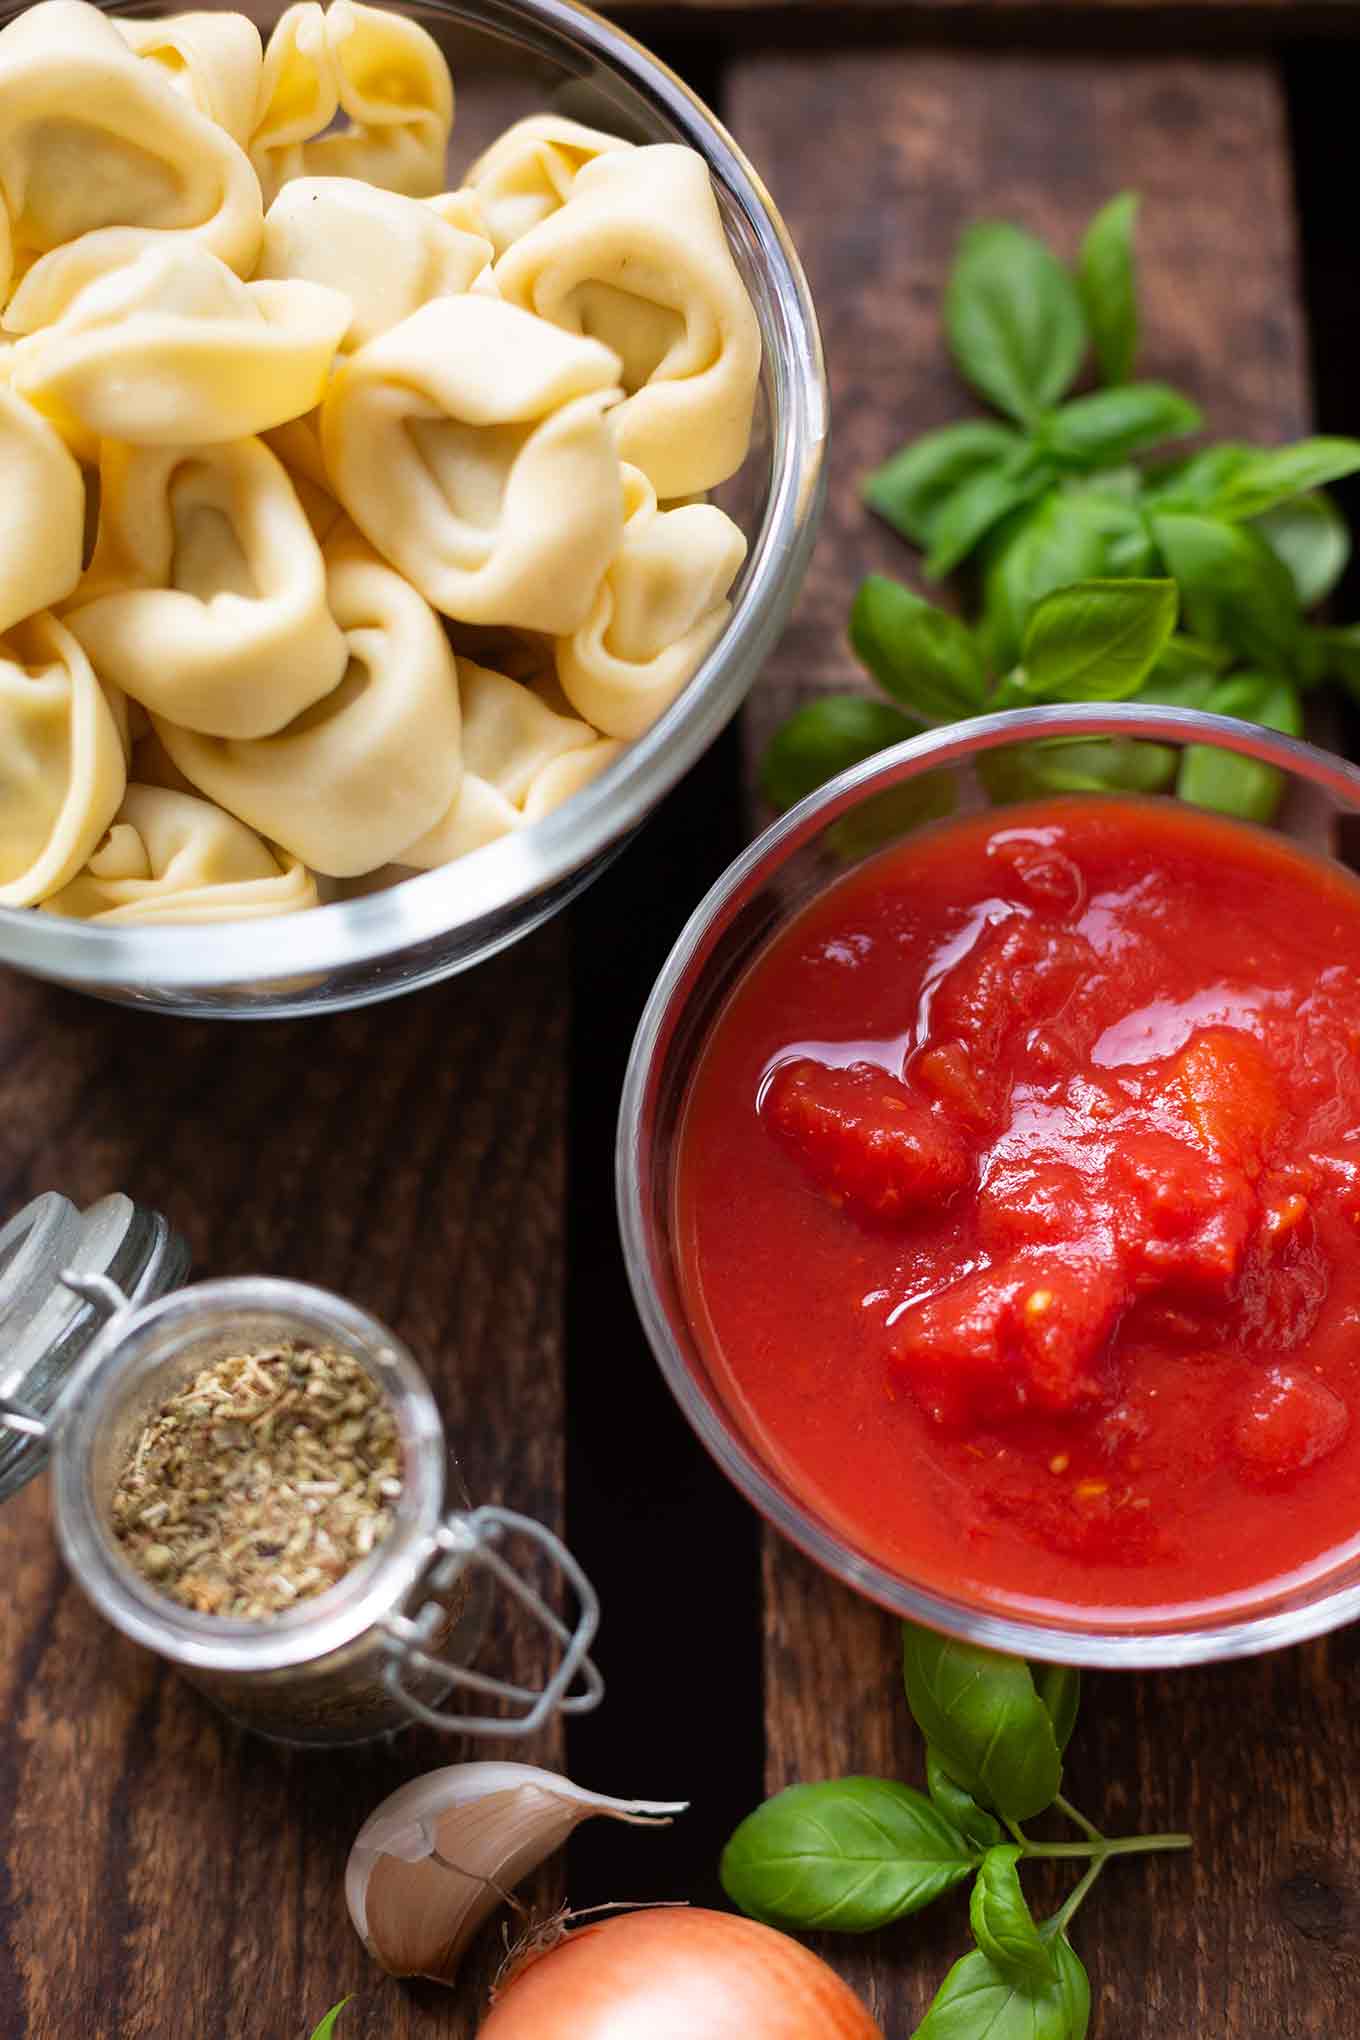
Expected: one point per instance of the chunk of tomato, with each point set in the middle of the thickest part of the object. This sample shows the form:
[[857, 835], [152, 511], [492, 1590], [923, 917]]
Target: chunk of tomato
[[866, 1137], [1223, 1088], [1290, 1422], [1030, 1334], [1017, 973], [1184, 1219]]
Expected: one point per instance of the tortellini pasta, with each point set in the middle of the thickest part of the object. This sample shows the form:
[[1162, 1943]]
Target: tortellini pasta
[[42, 513], [661, 608], [345, 537], [372, 765], [174, 350], [383, 72], [98, 152], [388, 254], [471, 447], [213, 59], [206, 597], [637, 258], [172, 857], [529, 172], [62, 762], [520, 760]]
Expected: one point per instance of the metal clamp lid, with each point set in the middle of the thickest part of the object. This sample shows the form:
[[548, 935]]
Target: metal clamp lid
[[469, 1538], [60, 1276]]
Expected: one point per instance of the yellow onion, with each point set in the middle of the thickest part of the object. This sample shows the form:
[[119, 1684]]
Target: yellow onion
[[675, 1974]]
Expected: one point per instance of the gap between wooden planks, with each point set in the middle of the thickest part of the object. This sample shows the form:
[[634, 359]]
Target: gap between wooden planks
[[878, 157]]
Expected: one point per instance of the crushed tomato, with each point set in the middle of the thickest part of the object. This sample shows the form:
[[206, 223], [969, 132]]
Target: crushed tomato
[[1019, 1203]]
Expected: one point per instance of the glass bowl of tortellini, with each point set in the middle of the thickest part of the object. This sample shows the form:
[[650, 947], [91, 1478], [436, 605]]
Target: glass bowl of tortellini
[[392, 506]]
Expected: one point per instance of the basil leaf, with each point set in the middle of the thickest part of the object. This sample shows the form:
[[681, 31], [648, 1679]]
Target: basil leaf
[[1059, 1687], [1194, 483], [1311, 540], [911, 489], [327, 2026], [917, 653], [977, 2001], [1277, 474], [1104, 428], [1014, 320], [849, 1855], [976, 507], [824, 738], [1105, 274], [1233, 589], [1002, 1923], [1099, 640], [1232, 785], [1085, 765], [1063, 539], [985, 1721], [959, 1807]]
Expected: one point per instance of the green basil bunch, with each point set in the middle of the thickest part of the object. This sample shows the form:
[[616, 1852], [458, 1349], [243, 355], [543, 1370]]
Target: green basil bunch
[[853, 1854], [1063, 499]]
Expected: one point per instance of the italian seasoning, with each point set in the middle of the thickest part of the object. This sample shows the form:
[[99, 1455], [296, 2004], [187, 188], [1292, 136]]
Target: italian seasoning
[[262, 1482]]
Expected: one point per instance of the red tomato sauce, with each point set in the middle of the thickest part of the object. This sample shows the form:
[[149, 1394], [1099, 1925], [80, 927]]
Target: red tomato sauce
[[1018, 1204]]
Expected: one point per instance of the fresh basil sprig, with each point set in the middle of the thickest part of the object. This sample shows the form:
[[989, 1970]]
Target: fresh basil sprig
[[1067, 490], [853, 1854]]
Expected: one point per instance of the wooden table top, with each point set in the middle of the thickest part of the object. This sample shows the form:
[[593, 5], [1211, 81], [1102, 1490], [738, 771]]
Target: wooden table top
[[446, 1161]]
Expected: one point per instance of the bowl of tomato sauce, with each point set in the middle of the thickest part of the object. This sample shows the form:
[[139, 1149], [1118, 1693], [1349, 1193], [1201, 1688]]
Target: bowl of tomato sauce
[[989, 1180]]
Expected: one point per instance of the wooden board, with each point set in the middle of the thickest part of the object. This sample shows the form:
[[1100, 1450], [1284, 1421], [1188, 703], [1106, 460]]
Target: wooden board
[[160, 1874], [878, 158]]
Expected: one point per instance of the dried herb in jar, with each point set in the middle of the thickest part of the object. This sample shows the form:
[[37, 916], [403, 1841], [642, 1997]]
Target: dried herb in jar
[[262, 1482]]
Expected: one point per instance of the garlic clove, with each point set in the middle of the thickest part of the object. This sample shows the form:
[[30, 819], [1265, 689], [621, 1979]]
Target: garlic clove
[[440, 1854]]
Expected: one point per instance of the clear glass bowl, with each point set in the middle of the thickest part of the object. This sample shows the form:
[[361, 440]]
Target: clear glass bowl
[[962, 768], [509, 58]]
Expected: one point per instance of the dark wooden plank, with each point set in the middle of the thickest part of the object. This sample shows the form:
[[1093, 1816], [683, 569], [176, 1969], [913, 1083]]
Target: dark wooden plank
[[878, 159], [160, 1873]]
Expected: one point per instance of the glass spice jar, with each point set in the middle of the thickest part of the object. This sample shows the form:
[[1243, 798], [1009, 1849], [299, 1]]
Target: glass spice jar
[[392, 1638]]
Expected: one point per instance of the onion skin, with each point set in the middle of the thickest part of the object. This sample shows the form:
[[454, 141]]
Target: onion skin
[[678, 1974]]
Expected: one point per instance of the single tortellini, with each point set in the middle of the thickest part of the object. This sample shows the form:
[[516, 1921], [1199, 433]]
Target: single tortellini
[[388, 254], [173, 857], [215, 60], [174, 350], [521, 759], [661, 608], [637, 258], [530, 170], [206, 597], [99, 153], [62, 763], [470, 445], [364, 771], [42, 513], [383, 72]]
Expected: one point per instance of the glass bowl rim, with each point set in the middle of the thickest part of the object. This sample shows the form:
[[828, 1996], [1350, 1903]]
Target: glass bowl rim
[[1171, 1644], [514, 874]]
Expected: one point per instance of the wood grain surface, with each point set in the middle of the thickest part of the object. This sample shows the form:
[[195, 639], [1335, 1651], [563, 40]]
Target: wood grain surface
[[160, 1874], [878, 159]]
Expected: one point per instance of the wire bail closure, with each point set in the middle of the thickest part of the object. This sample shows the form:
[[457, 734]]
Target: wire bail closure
[[469, 1538], [108, 1301]]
